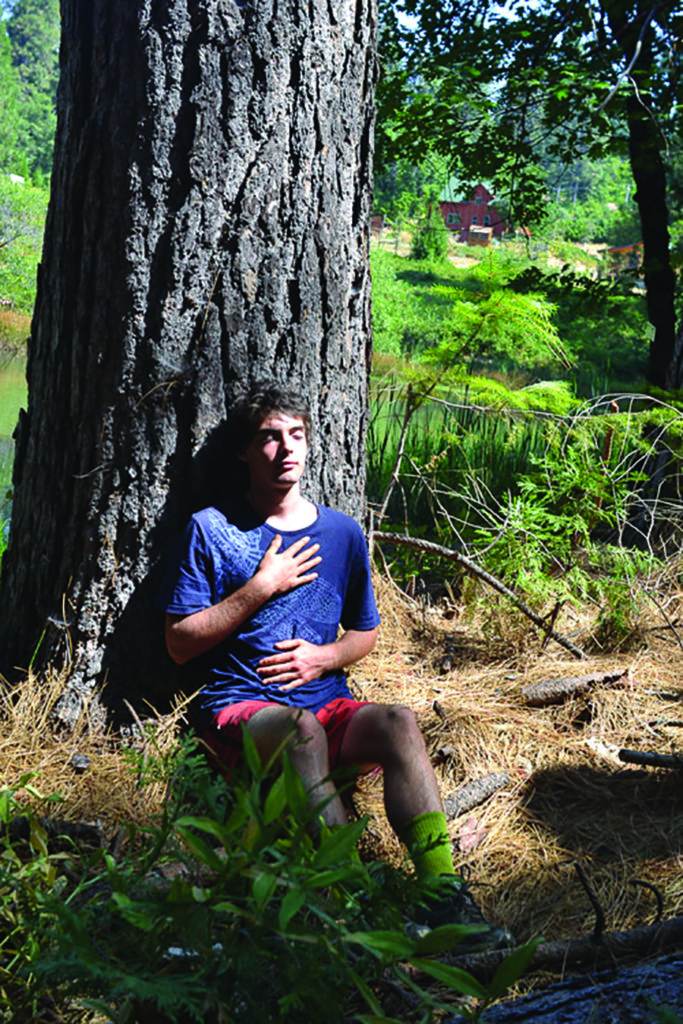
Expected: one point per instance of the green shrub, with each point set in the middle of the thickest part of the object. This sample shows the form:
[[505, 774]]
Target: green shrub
[[548, 503], [449, 317], [558, 537], [230, 907], [22, 220], [407, 317], [512, 315]]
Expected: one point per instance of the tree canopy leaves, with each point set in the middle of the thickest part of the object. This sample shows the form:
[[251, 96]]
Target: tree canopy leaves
[[33, 28], [503, 89]]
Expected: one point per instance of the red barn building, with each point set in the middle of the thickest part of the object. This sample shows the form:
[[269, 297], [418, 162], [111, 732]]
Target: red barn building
[[477, 212]]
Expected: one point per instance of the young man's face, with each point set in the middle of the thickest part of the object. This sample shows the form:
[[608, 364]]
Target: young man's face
[[276, 454]]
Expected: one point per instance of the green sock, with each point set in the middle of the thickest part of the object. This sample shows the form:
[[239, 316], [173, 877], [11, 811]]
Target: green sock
[[429, 845]]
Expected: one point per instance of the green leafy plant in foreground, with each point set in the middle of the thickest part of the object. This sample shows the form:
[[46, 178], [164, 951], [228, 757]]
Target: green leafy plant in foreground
[[235, 905], [29, 876]]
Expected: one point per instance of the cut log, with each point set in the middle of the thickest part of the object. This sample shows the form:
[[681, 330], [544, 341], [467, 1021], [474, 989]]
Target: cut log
[[637, 943], [630, 995], [474, 793], [554, 691], [651, 759]]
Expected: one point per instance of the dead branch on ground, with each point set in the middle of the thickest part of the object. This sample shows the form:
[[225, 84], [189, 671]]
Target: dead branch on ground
[[651, 759], [637, 943], [476, 570]]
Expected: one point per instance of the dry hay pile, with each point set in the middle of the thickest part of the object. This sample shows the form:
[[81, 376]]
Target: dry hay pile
[[108, 789], [569, 799]]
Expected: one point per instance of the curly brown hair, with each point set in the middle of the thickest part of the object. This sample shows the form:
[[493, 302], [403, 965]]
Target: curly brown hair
[[262, 399]]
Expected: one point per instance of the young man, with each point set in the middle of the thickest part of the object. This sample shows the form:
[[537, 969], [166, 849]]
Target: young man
[[264, 584]]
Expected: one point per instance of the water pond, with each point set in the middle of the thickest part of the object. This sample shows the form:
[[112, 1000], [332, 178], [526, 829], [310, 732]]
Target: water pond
[[12, 393], [12, 398]]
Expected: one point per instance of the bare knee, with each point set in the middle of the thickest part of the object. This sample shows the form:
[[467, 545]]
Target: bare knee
[[305, 736], [305, 727], [398, 733], [279, 727]]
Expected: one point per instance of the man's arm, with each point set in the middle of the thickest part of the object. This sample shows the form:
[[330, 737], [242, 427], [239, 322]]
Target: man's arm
[[188, 636], [302, 661]]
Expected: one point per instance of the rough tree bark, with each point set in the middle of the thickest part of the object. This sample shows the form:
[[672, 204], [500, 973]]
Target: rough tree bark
[[208, 225]]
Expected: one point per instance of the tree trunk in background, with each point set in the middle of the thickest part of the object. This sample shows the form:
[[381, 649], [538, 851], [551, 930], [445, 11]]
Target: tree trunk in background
[[633, 34], [208, 226], [660, 282]]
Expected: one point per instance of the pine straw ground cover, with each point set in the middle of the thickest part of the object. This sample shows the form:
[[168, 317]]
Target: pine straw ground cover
[[567, 799]]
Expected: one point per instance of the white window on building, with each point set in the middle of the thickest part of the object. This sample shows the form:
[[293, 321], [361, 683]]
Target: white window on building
[[475, 219], [452, 218], [479, 199], [487, 220]]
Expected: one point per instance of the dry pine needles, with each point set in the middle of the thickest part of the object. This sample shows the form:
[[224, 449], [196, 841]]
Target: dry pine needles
[[563, 802]]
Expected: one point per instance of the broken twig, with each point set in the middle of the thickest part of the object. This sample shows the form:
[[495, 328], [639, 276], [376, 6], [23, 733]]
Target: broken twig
[[600, 921], [472, 567], [641, 883], [554, 691], [438, 708], [645, 941]]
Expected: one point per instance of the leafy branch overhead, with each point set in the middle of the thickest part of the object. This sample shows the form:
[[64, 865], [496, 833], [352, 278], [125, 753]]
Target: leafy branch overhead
[[501, 90], [494, 87]]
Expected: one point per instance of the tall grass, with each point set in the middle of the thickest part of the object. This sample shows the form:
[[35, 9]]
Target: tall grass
[[446, 444]]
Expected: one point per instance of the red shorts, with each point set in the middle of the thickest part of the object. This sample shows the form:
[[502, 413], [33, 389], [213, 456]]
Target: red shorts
[[224, 736]]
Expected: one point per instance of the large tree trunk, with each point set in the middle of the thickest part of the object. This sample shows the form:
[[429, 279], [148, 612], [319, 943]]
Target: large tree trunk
[[208, 226]]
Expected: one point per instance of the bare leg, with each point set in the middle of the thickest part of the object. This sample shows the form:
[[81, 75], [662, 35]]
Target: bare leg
[[388, 734], [307, 747]]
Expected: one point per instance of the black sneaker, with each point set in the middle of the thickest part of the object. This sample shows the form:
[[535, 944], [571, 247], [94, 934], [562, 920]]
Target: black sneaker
[[452, 903]]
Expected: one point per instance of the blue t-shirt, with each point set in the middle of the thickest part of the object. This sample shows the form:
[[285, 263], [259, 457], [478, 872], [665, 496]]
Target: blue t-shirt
[[223, 550]]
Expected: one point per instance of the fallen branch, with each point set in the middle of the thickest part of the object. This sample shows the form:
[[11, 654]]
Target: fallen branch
[[550, 623], [554, 691], [651, 759], [474, 793], [600, 921], [637, 943], [60, 834], [455, 556]]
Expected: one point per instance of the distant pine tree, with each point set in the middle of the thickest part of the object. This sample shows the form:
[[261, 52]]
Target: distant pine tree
[[430, 241], [34, 29], [10, 117]]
